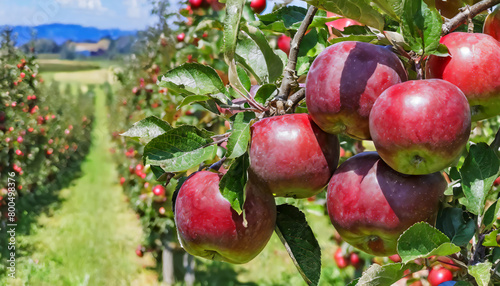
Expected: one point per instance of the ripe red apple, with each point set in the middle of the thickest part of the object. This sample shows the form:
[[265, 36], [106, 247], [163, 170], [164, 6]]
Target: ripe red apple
[[139, 251], [341, 261], [284, 43], [208, 227], [371, 205], [291, 157], [122, 181], [180, 37], [492, 24], [343, 83], [473, 67], [395, 258], [195, 3], [258, 5], [439, 275], [421, 126], [355, 260], [159, 190], [342, 23]]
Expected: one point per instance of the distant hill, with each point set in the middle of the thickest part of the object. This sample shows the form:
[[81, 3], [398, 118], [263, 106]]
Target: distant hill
[[60, 33]]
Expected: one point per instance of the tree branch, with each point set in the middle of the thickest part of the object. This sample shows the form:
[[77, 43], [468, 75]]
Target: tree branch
[[289, 72], [295, 98], [471, 12]]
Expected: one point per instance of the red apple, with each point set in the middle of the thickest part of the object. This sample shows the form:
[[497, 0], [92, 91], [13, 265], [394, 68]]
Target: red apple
[[258, 5], [122, 181], [195, 3], [343, 83], [496, 182], [439, 275], [355, 260], [341, 261], [395, 258], [139, 251], [341, 24], [492, 24], [284, 44], [371, 205], [180, 37], [421, 126], [208, 227], [159, 190], [473, 67], [291, 157]]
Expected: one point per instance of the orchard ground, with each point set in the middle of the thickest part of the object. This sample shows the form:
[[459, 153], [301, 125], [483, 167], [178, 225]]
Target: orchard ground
[[89, 235]]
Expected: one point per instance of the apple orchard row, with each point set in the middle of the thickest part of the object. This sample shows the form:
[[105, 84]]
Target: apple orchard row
[[418, 127]]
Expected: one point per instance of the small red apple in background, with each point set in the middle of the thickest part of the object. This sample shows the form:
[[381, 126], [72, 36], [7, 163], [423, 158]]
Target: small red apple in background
[[439, 275], [355, 260], [284, 43], [139, 251], [208, 227], [473, 67], [291, 157], [159, 190], [343, 83], [492, 24], [340, 24], [180, 37], [258, 5], [496, 182], [371, 205], [421, 126], [161, 210], [341, 261], [122, 181], [395, 258], [138, 169], [195, 3]]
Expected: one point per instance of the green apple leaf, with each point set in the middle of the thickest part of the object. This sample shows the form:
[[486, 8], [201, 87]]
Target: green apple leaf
[[481, 272], [359, 10], [353, 282], [313, 43], [265, 92], [232, 184], [195, 79], [237, 144], [282, 20], [147, 129], [303, 65], [180, 149], [422, 240], [209, 24], [490, 240], [244, 78], [255, 54], [421, 27], [161, 176], [452, 223], [480, 169], [388, 274], [490, 216], [192, 99], [234, 10], [300, 242], [393, 8]]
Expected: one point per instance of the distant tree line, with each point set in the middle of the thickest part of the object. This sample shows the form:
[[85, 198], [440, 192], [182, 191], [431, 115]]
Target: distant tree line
[[121, 46]]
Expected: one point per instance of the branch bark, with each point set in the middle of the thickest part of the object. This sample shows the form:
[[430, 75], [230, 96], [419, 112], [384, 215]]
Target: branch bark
[[471, 12], [289, 78]]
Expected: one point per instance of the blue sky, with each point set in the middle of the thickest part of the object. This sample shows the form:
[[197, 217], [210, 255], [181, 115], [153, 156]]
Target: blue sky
[[122, 14]]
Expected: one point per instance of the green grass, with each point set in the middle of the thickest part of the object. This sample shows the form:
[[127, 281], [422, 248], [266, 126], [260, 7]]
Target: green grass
[[56, 65], [90, 239]]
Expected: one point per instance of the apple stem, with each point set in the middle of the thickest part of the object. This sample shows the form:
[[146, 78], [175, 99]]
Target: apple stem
[[465, 14], [289, 73]]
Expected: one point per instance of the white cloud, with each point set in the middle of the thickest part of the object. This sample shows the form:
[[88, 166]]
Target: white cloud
[[94, 5], [136, 8]]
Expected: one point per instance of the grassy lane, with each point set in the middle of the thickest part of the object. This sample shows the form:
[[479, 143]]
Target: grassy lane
[[91, 238]]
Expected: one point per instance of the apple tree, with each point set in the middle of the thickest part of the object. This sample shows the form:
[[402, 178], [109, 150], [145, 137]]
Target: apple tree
[[408, 80]]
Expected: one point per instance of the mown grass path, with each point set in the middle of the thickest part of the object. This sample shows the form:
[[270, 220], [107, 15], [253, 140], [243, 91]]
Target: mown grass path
[[90, 239]]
